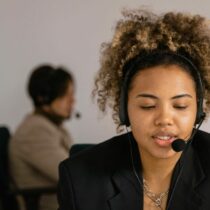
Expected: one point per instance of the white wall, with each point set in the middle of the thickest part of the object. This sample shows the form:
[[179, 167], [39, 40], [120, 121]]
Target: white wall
[[67, 32]]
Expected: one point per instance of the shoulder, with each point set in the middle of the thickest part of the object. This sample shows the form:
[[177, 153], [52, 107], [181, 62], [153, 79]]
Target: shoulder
[[33, 122], [36, 119], [202, 139], [107, 154], [88, 174], [33, 127], [201, 145]]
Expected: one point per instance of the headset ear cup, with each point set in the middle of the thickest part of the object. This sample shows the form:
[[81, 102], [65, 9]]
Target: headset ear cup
[[200, 117], [50, 87], [46, 97], [123, 113], [42, 99], [200, 113], [122, 109]]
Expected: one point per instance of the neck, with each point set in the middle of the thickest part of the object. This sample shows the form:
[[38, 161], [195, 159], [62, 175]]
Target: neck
[[56, 119], [158, 172]]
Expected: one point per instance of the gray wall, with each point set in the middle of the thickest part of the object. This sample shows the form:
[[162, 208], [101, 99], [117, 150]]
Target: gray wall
[[67, 32]]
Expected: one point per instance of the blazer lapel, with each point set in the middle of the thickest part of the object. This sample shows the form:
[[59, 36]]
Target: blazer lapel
[[186, 194], [128, 194], [183, 198], [128, 190]]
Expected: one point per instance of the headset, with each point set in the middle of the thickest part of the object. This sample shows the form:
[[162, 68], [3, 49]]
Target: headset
[[49, 93], [135, 64]]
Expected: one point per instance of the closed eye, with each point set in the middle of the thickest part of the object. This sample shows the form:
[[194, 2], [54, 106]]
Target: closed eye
[[181, 107], [147, 107]]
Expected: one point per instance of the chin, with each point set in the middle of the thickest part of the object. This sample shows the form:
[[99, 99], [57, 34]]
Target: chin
[[166, 155], [64, 116]]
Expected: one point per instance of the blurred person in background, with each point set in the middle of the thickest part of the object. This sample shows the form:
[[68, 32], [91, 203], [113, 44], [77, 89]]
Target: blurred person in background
[[41, 142]]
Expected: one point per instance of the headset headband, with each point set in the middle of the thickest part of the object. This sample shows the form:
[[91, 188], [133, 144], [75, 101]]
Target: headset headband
[[135, 64]]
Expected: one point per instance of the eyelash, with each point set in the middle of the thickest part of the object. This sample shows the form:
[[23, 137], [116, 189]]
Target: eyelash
[[180, 107], [147, 107], [152, 107]]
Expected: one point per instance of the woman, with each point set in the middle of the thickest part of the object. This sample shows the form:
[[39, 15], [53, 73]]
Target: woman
[[41, 142], [155, 75]]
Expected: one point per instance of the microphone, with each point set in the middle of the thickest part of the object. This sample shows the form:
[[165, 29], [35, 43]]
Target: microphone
[[179, 145], [77, 115]]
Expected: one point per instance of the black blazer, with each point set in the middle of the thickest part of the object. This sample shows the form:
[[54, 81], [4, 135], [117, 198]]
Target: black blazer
[[102, 178]]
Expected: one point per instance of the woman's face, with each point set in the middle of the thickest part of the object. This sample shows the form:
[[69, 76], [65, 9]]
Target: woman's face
[[161, 108]]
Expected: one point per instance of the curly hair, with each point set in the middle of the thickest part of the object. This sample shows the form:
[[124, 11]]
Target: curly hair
[[143, 31]]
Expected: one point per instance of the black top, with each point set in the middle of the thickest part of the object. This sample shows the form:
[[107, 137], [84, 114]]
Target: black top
[[102, 177]]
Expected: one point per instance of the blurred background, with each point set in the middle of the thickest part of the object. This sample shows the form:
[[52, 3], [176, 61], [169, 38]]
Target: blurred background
[[67, 33]]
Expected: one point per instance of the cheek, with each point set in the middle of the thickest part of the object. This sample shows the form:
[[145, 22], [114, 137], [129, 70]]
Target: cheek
[[138, 121], [185, 123], [64, 106], [187, 118], [141, 127], [59, 106]]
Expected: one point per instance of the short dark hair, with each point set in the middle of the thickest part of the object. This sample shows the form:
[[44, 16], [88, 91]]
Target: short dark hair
[[46, 83]]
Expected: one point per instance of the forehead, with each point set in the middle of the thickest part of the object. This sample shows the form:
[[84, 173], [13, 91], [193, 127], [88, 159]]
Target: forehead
[[170, 77]]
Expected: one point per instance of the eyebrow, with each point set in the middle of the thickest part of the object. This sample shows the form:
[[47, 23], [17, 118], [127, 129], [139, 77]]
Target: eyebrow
[[146, 95]]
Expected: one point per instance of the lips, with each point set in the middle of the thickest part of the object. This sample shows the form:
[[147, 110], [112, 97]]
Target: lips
[[164, 139]]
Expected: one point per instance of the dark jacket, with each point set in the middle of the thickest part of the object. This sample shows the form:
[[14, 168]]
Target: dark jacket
[[102, 178]]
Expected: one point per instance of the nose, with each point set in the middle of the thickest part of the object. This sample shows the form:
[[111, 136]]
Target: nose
[[164, 117]]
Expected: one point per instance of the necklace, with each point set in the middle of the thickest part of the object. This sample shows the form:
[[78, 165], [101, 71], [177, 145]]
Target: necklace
[[156, 198]]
